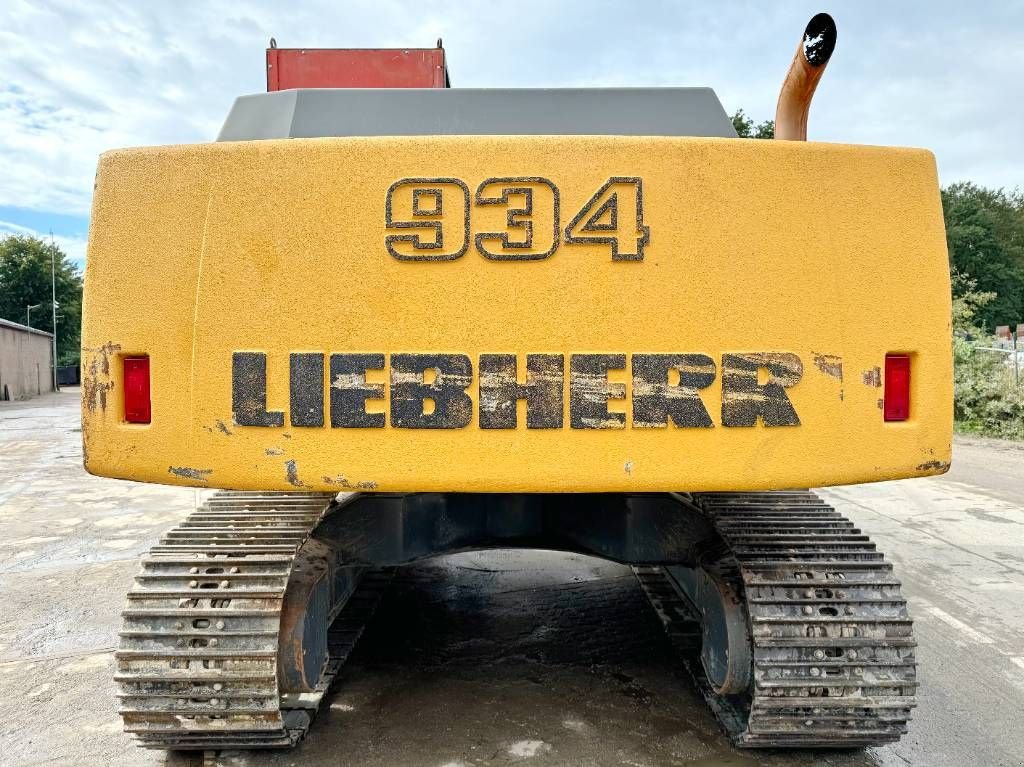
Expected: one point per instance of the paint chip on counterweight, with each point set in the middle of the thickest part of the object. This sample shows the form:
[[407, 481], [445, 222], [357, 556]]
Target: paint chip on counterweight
[[186, 472], [830, 365], [292, 474]]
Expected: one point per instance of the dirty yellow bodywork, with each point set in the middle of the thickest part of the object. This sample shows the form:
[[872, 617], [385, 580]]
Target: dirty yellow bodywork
[[777, 275]]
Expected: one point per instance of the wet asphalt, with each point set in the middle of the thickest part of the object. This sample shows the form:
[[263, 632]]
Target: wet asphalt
[[504, 657]]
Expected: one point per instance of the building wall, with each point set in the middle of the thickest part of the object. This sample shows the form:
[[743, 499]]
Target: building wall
[[24, 362]]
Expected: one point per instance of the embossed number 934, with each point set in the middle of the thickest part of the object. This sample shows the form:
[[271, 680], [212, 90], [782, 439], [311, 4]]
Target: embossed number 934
[[430, 219]]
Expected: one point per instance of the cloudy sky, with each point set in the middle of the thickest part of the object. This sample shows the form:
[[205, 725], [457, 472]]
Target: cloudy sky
[[83, 77]]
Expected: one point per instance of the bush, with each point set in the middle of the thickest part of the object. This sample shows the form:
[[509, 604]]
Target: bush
[[987, 400]]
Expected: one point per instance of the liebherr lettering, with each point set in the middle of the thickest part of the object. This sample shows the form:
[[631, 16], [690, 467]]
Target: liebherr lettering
[[449, 391]]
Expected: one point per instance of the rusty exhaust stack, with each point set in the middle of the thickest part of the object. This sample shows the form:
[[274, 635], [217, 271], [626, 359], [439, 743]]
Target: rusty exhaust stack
[[812, 55]]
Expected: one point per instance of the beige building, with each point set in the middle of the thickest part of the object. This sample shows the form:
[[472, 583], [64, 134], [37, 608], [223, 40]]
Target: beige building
[[25, 361]]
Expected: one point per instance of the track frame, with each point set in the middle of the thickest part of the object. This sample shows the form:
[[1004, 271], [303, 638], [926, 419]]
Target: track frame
[[244, 614]]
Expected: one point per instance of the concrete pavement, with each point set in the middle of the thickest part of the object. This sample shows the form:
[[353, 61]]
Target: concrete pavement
[[506, 657]]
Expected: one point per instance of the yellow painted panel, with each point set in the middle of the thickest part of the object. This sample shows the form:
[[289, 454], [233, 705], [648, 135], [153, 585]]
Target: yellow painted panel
[[820, 258]]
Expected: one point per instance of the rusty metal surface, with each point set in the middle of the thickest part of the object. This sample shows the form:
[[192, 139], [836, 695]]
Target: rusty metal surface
[[833, 647], [197, 666], [809, 62], [302, 644]]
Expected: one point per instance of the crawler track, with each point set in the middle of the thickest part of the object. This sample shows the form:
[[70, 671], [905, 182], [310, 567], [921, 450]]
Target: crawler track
[[831, 639], [197, 664]]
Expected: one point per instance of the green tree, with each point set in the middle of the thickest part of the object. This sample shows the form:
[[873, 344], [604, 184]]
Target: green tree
[[25, 281], [968, 301], [985, 236], [745, 127]]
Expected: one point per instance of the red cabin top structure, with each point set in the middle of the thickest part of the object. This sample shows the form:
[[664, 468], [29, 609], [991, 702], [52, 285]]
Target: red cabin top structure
[[356, 68]]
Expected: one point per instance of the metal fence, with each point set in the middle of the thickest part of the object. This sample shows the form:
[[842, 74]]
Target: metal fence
[[69, 375], [1010, 345]]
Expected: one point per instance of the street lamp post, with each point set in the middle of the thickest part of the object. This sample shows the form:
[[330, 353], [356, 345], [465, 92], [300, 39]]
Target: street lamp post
[[1016, 359], [28, 313], [53, 302]]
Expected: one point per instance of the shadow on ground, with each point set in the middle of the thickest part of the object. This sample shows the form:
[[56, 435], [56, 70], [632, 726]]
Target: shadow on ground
[[518, 657]]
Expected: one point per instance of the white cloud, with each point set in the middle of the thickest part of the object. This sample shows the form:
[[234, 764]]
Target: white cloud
[[80, 79], [73, 247]]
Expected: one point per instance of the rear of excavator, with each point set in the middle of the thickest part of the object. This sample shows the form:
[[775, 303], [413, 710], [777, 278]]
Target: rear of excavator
[[383, 319]]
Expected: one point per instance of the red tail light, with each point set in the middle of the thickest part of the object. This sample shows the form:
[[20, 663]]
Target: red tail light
[[136, 390], [897, 387]]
